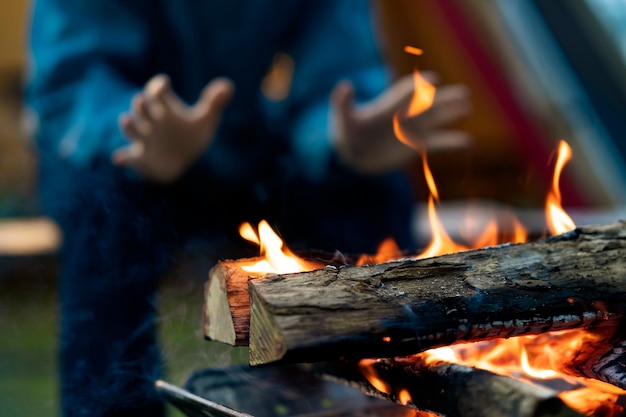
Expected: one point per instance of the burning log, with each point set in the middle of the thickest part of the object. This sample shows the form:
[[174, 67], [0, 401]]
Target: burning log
[[226, 315], [603, 358], [447, 389], [573, 280]]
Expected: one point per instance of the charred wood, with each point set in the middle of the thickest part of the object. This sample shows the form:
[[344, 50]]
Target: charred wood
[[448, 389], [574, 280], [603, 358]]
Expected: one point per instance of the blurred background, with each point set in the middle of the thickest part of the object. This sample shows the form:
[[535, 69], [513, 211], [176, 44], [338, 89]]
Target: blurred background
[[539, 71]]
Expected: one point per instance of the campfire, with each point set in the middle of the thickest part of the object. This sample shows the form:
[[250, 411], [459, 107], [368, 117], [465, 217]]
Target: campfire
[[501, 325], [562, 296]]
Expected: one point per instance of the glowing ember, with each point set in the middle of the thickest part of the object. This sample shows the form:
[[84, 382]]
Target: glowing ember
[[558, 220], [538, 359], [413, 50], [278, 259], [404, 397]]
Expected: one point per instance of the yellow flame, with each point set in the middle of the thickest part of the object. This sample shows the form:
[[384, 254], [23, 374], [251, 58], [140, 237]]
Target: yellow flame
[[558, 220], [440, 242], [278, 259], [247, 232]]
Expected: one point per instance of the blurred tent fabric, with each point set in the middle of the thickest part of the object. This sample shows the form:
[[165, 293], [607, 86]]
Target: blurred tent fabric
[[539, 71]]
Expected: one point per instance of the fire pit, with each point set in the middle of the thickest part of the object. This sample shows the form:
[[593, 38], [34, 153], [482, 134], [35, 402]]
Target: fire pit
[[525, 295], [242, 391], [346, 323]]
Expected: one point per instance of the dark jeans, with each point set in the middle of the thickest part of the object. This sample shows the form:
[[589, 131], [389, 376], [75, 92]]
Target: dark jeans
[[121, 235]]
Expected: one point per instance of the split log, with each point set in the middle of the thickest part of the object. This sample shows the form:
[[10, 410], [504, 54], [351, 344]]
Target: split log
[[448, 389], [226, 316], [573, 280]]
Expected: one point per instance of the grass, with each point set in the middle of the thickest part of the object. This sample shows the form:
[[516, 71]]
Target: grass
[[28, 329]]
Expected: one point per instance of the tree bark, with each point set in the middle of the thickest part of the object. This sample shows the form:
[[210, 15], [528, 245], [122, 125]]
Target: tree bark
[[448, 389], [574, 280]]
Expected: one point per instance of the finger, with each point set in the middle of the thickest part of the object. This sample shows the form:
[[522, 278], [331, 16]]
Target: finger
[[431, 76], [451, 104], [140, 116], [160, 96], [214, 99], [342, 99], [447, 141], [129, 129], [395, 99], [130, 155]]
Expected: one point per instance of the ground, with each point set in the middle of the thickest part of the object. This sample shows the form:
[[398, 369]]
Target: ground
[[28, 307]]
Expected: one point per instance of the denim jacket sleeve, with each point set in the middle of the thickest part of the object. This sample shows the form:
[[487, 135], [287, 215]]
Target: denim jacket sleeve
[[87, 59], [336, 41]]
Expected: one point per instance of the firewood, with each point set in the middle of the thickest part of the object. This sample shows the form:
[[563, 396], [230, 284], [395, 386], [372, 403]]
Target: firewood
[[226, 316], [448, 389], [603, 358], [573, 280]]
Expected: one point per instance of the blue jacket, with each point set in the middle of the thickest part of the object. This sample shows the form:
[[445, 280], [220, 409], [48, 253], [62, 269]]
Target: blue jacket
[[90, 57]]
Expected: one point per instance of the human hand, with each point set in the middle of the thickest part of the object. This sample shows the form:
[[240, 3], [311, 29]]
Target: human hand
[[166, 135], [365, 138]]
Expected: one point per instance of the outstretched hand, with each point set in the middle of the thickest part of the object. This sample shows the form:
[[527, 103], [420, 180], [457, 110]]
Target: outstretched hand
[[365, 139], [166, 135]]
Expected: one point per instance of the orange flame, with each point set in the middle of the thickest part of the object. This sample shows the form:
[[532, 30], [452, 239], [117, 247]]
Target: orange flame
[[422, 100], [423, 95], [369, 372], [520, 234], [489, 237], [278, 259], [387, 251], [413, 50], [532, 359], [440, 243], [558, 220], [404, 397]]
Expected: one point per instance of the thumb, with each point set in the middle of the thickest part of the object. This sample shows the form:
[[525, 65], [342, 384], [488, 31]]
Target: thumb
[[214, 98], [342, 99]]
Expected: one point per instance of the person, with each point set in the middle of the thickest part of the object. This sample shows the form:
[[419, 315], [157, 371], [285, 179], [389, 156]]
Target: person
[[152, 133]]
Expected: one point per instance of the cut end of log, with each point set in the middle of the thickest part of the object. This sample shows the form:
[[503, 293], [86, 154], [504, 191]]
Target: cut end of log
[[218, 310], [266, 341]]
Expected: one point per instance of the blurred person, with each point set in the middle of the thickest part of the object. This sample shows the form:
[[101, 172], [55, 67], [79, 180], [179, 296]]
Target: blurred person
[[153, 135]]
